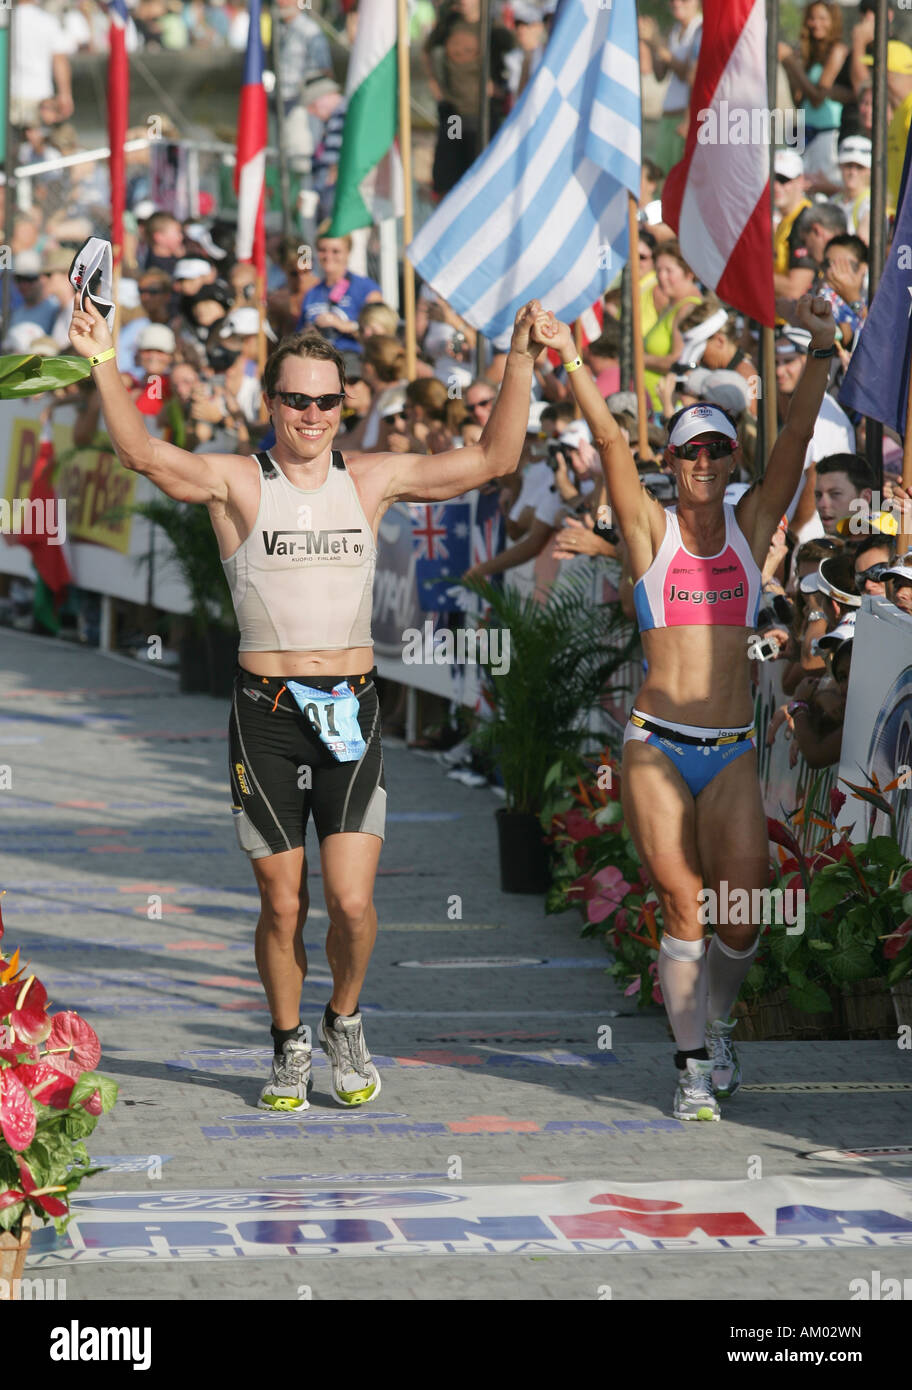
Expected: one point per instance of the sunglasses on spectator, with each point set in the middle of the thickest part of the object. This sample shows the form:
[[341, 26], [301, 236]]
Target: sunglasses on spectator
[[27, 279], [153, 289], [296, 400], [475, 404], [781, 178], [396, 415], [875, 573], [717, 449]]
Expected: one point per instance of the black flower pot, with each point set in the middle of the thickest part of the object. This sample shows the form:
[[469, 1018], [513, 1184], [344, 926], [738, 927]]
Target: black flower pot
[[524, 857], [194, 665], [222, 646]]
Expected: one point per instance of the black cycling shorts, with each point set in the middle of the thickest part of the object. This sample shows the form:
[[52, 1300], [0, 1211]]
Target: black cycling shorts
[[281, 772]]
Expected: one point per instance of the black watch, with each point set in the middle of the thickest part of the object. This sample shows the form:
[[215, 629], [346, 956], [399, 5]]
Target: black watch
[[824, 352]]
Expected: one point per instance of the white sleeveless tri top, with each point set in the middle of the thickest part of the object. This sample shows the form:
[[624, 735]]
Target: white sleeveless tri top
[[303, 579]]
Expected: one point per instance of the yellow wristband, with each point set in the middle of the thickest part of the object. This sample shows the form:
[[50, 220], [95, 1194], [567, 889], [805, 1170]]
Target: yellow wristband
[[574, 365], [103, 357]]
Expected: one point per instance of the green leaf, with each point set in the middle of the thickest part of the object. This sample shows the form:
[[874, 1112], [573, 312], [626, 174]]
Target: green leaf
[[33, 374], [829, 888], [850, 960], [92, 1081], [10, 1216], [899, 969], [817, 943], [809, 997]]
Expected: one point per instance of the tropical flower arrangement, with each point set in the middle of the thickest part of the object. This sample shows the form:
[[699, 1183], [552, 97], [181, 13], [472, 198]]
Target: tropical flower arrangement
[[597, 869], [50, 1100], [857, 896]]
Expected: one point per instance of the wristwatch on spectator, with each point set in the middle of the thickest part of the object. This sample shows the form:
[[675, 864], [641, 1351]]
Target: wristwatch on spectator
[[816, 616]]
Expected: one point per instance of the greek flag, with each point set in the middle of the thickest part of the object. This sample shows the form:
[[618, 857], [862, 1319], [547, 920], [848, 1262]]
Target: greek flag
[[542, 213]]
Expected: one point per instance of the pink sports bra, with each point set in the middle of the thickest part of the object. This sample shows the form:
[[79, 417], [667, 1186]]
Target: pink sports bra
[[684, 590]]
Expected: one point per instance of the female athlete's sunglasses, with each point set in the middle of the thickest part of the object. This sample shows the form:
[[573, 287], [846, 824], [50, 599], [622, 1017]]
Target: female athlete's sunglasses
[[298, 401], [716, 449]]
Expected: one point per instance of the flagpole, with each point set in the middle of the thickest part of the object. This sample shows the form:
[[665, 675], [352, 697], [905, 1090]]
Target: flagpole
[[405, 145], [261, 342], [6, 22], [768, 416], [639, 370], [484, 131], [874, 428], [284, 189]]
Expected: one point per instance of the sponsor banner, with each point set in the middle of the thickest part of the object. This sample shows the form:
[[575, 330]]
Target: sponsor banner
[[105, 551], [129, 1163], [256, 1126], [877, 732], [504, 962], [774, 1214]]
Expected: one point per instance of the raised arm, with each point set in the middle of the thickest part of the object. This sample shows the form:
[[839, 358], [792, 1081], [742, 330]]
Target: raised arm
[[761, 508], [630, 501], [184, 476], [436, 477]]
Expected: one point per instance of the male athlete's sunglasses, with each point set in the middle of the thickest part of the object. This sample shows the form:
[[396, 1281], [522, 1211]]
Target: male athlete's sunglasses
[[298, 401], [717, 449]]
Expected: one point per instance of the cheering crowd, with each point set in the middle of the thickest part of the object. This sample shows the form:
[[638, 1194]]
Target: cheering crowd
[[189, 347]]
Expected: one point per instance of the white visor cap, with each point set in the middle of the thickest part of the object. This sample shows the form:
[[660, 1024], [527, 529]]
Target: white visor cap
[[701, 419]]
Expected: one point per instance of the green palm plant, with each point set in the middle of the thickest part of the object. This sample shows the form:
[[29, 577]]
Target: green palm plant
[[563, 654], [196, 557]]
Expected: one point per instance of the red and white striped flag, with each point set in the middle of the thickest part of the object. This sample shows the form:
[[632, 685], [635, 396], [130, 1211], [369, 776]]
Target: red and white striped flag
[[717, 199], [118, 111], [250, 168]]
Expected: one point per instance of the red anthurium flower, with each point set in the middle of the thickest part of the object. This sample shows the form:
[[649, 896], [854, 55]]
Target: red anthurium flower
[[42, 1195], [837, 801], [578, 825], [11, 1198], [46, 1084], [24, 1006], [607, 890], [897, 940], [17, 1113], [68, 1030], [905, 882]]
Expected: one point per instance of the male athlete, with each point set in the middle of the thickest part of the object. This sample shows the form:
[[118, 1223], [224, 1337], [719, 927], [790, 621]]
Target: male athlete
[[297, 530]]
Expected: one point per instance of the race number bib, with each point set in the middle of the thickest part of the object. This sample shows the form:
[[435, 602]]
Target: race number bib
[[333, 716]]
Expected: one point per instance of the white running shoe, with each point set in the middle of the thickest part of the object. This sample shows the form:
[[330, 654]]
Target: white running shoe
[[726, 1068], [290, 1082], [355, 1079], [694, 1099]]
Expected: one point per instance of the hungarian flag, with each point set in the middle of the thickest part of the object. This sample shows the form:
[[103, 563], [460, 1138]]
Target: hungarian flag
[[49, 559], [369, 185], [118, 111], [250, 167], [718, 199]]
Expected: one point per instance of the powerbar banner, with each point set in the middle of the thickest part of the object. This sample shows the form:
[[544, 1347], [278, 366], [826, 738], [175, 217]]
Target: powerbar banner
[[781, 1214]]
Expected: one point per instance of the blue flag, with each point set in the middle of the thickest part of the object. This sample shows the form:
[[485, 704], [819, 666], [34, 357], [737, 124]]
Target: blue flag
[[442, 540], [542, 213], [877, 380]]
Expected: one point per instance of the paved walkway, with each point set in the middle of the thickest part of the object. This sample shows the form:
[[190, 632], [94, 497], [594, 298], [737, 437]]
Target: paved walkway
[[505, 1124]]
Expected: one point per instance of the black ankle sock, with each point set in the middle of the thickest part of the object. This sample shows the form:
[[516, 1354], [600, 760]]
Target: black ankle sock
[[699, 1054], [331, 1015], [280, 1036]]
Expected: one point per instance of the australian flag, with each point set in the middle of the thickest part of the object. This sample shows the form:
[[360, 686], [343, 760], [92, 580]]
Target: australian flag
[[877, 378], [442, 540]]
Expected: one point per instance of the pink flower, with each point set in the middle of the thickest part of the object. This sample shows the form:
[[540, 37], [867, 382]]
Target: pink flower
[[605, 892], [657, 997], [633, 987]]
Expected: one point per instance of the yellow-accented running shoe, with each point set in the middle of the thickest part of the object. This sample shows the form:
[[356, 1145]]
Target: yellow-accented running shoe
[[290, 1082], [694, 1099], [355, 1079]]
